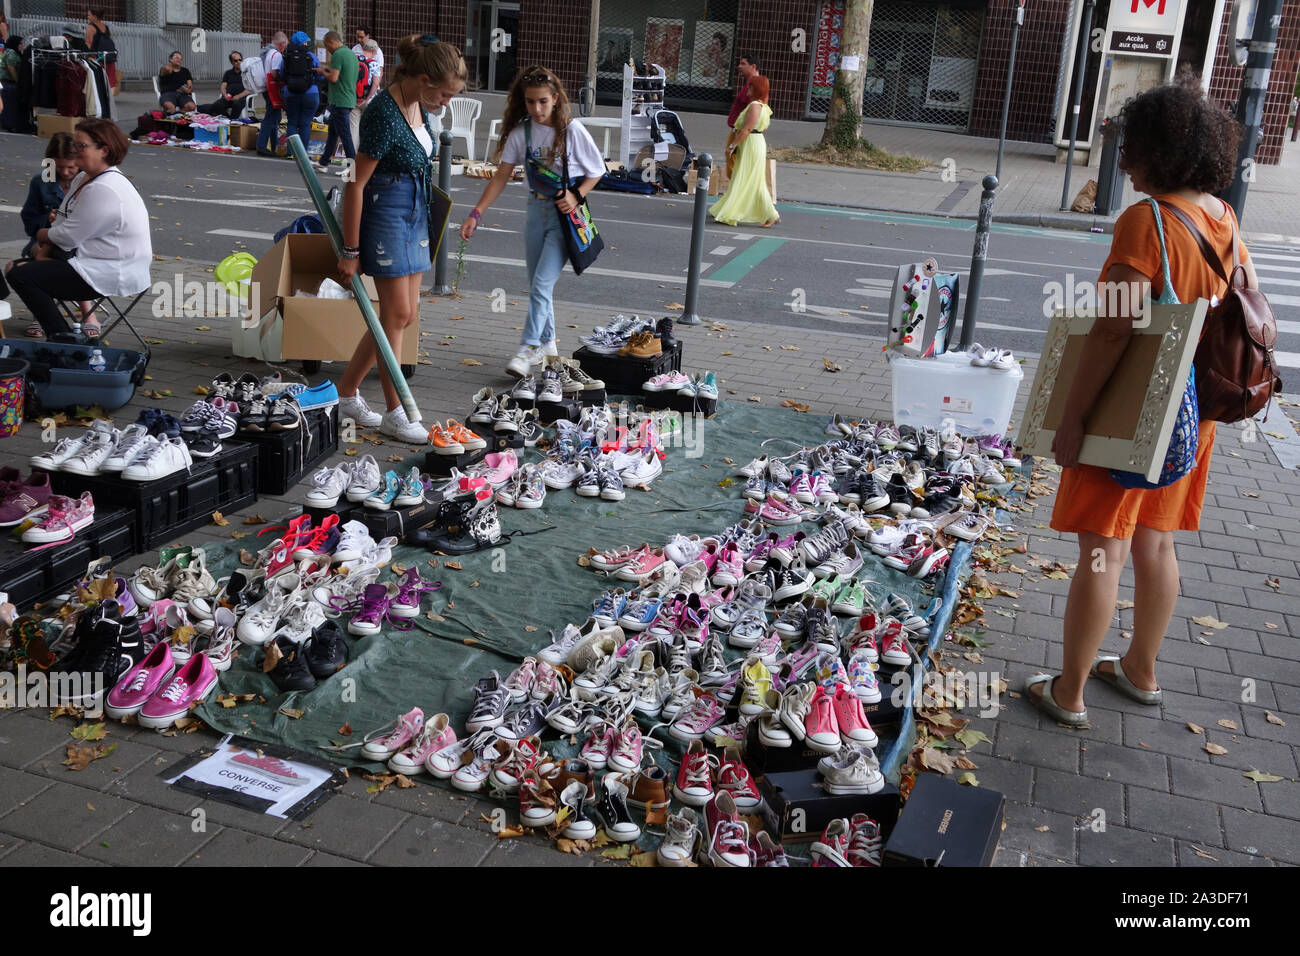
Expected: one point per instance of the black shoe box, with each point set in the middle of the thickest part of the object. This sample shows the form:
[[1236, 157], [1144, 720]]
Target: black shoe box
[[687, 405], [946, 824], [625, 376], [284, 457], [548, 413], [168, 507], [440, 466], [797, 805], [398, 521], [346, 510], [30, 573]]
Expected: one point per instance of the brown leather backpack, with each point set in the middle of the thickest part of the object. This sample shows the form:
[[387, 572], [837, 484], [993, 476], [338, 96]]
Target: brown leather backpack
[[1236, 373]]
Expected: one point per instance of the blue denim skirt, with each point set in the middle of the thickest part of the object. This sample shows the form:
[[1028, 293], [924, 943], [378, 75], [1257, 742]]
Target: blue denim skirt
[[394, 227]]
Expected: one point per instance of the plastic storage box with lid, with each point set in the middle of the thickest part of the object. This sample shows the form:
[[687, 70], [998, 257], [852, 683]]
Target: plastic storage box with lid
[[59, 375], [926, 392]]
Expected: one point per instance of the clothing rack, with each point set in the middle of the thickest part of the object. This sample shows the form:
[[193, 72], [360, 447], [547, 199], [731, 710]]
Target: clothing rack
[[91, 60]]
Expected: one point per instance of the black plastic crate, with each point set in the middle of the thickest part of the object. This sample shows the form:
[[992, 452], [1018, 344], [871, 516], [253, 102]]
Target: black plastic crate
[[440, 466], [284, 457], [625, 376], [181, 502], [30, 575], [687, 405]]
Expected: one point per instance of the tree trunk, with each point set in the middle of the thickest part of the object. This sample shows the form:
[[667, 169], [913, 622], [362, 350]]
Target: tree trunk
[[844, 118]]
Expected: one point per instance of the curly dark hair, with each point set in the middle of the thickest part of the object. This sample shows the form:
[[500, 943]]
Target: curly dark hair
[[1179, 139]]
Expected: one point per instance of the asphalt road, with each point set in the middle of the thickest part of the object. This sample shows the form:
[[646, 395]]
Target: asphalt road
[[822, 267]]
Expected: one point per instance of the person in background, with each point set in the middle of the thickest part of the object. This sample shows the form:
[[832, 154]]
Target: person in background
[[268, 134], [11, 60], [370, 50], [298, 83], [99, 39], [747, 199], [752, 84], [362, 48], [175, 84], [231, 102], [386, 215], [1181, 149], [44, 196], [537, 132], [342, 74], [99, 243], [4, 30]]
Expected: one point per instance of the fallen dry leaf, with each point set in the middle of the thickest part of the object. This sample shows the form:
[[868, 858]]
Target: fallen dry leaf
[[79, 758], [530, 628], [293, 713], [1206, 620], [797, 406], [454, 565], [90, 731], [1230, 724], [470, 361], [1260, 777], [346, 730], [969, 779], [219, 519], [830, 366], [756, 398], [273, 655], [1195, 728], [1043, 829], [1202, 854], [1273, 718], [1213, 748]]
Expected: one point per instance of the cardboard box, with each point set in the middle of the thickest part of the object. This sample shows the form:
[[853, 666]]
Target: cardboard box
[[798, 807], [244, 135], [305, 327], [47, 124], [946, 824]]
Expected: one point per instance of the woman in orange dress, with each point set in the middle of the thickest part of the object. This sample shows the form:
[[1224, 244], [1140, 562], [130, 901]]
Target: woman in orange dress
[[1180, 149]]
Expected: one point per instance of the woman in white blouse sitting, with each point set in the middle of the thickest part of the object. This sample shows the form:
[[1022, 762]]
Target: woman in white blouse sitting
[[99, 242]]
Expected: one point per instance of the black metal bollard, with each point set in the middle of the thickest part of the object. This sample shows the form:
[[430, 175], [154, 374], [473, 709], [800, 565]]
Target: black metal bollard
[[690, 315], [440, 286], [977, 261]]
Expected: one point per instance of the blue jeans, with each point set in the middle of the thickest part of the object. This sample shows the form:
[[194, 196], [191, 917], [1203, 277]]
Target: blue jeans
[[340, 130], [545, 256], [301, 107], [268, 134]]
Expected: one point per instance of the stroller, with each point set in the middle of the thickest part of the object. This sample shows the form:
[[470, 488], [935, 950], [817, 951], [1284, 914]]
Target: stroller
[[666, 128]]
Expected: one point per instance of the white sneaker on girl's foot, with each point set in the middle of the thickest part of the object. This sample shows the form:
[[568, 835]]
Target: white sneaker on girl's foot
[[355, 408], [397, 425], [528, 356], [551, 348]]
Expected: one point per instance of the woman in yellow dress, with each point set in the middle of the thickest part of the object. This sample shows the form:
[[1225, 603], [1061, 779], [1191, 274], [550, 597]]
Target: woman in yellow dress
[[747, 199]]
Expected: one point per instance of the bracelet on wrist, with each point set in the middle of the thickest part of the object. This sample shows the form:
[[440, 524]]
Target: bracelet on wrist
[[475, 215]]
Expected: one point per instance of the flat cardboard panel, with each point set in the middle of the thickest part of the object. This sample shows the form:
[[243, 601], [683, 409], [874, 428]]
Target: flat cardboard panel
[[47, 124]]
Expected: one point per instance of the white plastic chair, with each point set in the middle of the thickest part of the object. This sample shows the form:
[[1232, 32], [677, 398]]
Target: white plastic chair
[[250, 106], [157, 90], [464, 115], [494, 134]]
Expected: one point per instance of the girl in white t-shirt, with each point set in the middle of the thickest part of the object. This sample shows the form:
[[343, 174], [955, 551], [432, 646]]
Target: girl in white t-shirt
[[536, 108]]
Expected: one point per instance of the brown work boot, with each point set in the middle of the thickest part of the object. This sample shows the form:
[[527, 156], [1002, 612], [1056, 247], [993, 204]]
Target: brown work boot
[[648, 788], [643, 345], [576, 769]]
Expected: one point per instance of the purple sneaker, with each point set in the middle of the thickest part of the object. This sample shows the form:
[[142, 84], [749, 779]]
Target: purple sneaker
[[371, 611], [192, 683], [140, 683], [410, 588], [991, 445], [20, 500]]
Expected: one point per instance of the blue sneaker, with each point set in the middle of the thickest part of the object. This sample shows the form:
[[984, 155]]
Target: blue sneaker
[[609, 606], [321, 395], [386, 493], [639, 612]]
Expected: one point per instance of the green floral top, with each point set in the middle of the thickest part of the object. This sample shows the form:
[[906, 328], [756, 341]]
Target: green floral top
[[388, 138]]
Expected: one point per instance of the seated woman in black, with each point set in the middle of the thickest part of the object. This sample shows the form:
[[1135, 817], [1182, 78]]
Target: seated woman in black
[[233, 94]]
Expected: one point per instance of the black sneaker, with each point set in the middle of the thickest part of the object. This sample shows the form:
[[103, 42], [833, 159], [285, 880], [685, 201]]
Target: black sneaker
[[908, 440], [821, 627], [284, 414], [205, 443], [901, 498], [326, 651], [247, 388], [530, 429], [664, 330], [480, 529], [103, 655], [291, 671], [253, 414], [619, 825], [223, 386], [452, 516]]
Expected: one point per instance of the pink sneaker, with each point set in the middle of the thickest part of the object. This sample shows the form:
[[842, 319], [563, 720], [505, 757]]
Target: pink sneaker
[[381, 748], [269, 767], [140, 683], [735, 779], [833, 847], [499, 468], [865, 842], [436, 734], [730, 567], [852, 720], [893, 645], [692, 722], [727, 834], [642, 564], [821, 729], [599, 743], [192, 683], [785, 550], [709, 556], [521, 680], [65, 517], [774, 511], [626, 748], [694, 784]]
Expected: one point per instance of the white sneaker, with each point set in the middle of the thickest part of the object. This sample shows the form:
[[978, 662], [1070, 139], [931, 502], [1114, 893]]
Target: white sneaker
[[165, 458], [551, 348], [330, 484], [397, 425], [94, 451], [525, 359], [66, 448], [355, 408], [366, 478], [1004, 361], [354, 541], [128, 443]]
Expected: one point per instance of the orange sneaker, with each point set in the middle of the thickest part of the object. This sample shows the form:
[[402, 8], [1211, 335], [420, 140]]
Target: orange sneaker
[[444, 441], [468, 440]]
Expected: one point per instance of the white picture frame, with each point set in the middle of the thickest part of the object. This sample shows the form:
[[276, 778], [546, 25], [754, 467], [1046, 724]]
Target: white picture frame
[[1121, 433]]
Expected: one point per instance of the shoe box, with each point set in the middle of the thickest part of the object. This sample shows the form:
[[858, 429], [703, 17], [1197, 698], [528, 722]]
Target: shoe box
[[945, 823], [625, 376], [548, 413], [440, 466], [686, 404], [798, 756], [797, 805], [346, 511], [284, 457], [398, 521], [167, 507], [30, 575]]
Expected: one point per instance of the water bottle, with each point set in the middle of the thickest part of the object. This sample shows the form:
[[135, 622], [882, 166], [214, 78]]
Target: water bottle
[[97, 361]]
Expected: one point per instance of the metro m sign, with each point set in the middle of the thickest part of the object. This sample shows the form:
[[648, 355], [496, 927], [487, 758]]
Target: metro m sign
[[1146, 16], [1160, 11]]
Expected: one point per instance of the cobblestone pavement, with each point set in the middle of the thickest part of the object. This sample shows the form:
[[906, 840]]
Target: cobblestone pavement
[[1163, 799]]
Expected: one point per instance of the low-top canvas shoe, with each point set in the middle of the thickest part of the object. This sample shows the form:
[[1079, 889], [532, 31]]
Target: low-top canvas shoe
[[382, 744], [693, 722], [851, 719], [191, 684], [140, 683], [734, 778], [63, 519], [821, 730], [894, 648], [862, 678], [694, 785], [66, 448], [165, 458], [473, 775], [328, 485], [93, 452], [682, 839], [852, 771]]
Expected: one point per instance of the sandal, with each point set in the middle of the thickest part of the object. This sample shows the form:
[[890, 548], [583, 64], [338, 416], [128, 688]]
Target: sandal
[[1119, 680], [1048, 705], [90, 331]]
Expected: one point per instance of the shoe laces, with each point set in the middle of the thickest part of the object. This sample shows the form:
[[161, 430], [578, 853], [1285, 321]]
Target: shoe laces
[[175, 690], [698, 768]]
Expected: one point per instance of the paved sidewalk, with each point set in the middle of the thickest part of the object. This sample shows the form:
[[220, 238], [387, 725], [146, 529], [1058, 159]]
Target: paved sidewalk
[[1029, 192], [1163, 799]]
